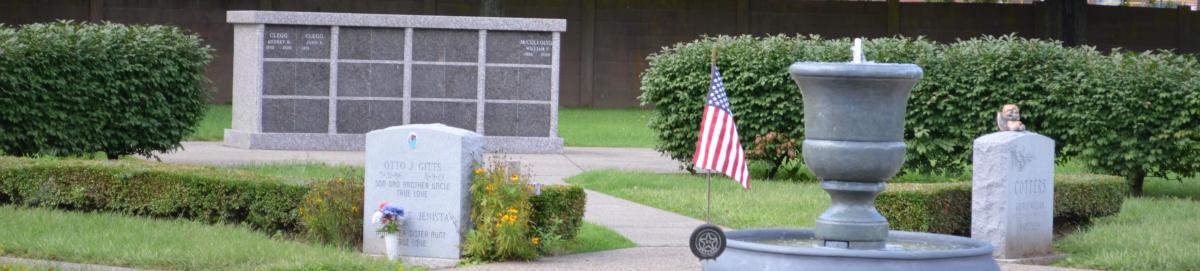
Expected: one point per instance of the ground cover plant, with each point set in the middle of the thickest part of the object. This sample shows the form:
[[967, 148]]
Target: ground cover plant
[[1135, 115], [118, 240], [78, 88], [579, 127]]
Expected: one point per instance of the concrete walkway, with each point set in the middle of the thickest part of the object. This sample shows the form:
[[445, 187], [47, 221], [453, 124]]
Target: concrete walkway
[[661, 236]]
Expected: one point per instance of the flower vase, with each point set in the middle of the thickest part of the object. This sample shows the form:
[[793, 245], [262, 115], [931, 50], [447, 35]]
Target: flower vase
[[391, 242]]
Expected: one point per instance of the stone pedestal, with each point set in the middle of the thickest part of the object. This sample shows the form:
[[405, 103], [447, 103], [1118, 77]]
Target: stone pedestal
[[318, 81], [425, 169], [1012, 198]]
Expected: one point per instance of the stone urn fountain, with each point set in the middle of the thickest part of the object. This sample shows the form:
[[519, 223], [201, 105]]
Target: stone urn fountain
[[854, 131]]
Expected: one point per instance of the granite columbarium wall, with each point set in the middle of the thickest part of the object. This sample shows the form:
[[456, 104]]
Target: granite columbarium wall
[[319, 81]]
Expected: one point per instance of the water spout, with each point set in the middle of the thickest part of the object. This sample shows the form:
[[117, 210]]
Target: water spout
[[857, 49]]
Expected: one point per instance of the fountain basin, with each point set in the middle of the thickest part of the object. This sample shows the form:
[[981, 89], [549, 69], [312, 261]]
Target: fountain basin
[[751, 250]]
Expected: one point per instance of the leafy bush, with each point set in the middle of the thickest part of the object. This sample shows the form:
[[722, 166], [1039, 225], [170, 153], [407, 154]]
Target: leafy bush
[[1138, 117], [79, 88], [760, 169], [774, 147], [501, 214], [946, 207], [150, 189], [794, 169], [331, 214], [1128, 114], [558, 210]]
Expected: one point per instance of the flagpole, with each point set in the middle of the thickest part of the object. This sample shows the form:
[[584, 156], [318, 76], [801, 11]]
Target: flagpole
[[708, 173], [708, 210]]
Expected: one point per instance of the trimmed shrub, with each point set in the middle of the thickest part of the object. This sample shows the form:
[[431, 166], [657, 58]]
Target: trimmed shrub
[[946, 207], [154, 190], [331, 212], [1135, 115], [559, 210], [79, 88]]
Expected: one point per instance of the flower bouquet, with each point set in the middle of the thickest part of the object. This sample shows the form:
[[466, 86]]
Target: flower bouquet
[[391, 217]]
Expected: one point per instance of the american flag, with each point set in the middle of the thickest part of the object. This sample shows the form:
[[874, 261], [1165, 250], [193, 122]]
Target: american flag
[[718, 147]]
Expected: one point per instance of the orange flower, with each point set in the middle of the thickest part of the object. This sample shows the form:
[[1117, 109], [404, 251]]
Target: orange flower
[[514, 178]]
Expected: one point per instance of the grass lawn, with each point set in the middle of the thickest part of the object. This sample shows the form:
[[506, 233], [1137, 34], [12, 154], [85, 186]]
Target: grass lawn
[[1156, 232], [117, 240], [577, 127], [1149, 234], [592, 238], [212, 128], [766, 204], [605, 127]]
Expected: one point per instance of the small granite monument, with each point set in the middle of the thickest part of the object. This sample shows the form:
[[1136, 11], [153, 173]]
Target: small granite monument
[[318, 81], [1012, 198], [425, 169]]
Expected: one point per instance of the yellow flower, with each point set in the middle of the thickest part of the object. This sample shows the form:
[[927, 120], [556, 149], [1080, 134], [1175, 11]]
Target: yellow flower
[[497, 225], [479, 171], [535, 240], [354, 209], [514, 178], [512, 210], [491, 187]]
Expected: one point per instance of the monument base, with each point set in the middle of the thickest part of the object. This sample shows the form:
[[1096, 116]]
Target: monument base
[[428, 263], [1036, 260], [355, 142]]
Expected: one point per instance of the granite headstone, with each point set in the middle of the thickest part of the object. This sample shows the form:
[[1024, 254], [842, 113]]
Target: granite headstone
[[1012, 197], [425, 169]]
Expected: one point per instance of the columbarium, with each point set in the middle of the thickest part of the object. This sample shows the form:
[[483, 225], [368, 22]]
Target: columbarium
[[319, 81]]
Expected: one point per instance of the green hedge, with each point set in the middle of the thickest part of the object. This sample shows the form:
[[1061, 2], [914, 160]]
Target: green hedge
[[946, 207], [1120, 113], [561, 207], [320, 210], [149, 189], [79, 88]]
